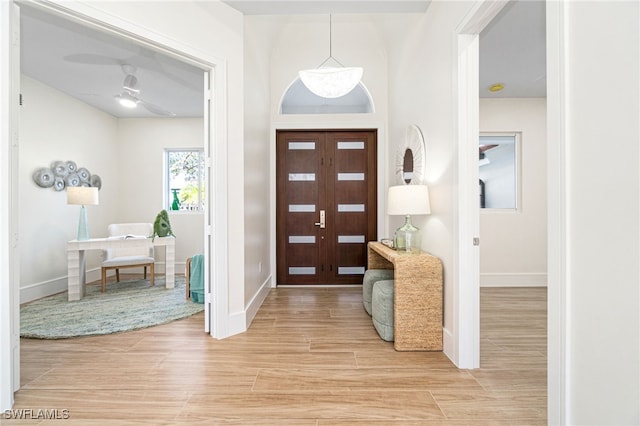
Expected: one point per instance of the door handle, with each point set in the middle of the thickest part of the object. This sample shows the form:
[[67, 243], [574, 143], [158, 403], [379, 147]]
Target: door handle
[[322, 223]]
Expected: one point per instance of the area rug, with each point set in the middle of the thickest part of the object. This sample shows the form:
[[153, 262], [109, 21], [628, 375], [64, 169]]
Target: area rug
[[127, 305]]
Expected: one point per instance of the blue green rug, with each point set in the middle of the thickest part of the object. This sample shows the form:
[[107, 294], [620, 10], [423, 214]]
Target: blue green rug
[[125, 306]]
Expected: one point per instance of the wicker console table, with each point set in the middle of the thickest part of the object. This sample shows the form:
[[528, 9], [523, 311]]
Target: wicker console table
[[417, 296]]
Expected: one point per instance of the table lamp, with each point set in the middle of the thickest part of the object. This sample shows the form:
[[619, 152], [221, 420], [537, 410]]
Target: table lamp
[[407, 200], [83, 196]]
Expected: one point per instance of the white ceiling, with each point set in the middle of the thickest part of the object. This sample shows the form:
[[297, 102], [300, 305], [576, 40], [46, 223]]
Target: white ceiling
[[87, 64], [513, 51]]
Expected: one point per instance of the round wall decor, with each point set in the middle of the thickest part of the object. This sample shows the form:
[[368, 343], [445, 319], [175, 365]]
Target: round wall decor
[[411, 158]]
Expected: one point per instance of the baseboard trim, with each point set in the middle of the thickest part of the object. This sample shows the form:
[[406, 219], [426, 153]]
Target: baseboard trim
[[42, 289], [239, 322], [532, 279], [257, 300], [448, 345]]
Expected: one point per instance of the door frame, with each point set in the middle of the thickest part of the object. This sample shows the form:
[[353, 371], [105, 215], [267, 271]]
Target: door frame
[[9, 249], [328, 124], [463, 344]]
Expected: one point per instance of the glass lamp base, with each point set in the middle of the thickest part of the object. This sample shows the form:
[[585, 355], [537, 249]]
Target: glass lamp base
[[407, 237], [83, 225]]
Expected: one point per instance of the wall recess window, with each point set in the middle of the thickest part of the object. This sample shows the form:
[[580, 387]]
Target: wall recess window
[[184, 180], [297, 99], [498, 161]]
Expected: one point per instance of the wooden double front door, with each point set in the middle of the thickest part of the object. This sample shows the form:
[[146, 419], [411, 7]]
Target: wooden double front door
[[326, 205]]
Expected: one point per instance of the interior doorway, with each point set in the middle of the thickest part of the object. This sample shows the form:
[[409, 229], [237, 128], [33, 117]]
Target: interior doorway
[[212, 176], [326, 205], [512, 152]]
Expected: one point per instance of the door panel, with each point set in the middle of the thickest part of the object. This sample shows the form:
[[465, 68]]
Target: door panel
[[332, 172], [299, 172]]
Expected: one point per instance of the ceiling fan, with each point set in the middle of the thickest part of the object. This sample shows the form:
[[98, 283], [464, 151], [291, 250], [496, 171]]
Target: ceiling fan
[[130, 95], [143, 59]]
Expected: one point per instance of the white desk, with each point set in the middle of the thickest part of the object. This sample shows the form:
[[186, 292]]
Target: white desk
[[76, 268]]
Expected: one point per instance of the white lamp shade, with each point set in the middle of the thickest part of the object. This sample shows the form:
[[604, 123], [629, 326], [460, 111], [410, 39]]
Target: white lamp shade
[[408, 200], [331, 82], [82, 195]]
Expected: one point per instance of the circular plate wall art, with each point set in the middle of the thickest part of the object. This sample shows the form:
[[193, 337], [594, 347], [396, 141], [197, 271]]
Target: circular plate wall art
[[63, 174], [411, 158]]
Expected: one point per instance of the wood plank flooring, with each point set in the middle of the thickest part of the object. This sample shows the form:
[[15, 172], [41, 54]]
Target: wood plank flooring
[[310, 357]]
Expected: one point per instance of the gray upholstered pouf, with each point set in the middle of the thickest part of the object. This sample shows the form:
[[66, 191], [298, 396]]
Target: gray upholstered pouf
[[382, 309], [369, 279]]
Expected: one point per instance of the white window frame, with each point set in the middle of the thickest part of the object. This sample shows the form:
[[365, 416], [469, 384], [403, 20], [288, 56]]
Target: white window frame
[[167, 198], [517, 142]]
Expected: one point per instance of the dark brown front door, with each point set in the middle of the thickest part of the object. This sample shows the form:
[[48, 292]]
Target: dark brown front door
[[326, 205]]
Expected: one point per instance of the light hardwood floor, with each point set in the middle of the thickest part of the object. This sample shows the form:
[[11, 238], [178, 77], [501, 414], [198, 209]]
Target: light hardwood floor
[[310, 357]]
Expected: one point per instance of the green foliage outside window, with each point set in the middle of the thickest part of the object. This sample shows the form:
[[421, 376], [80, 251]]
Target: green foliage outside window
[[185, 178]]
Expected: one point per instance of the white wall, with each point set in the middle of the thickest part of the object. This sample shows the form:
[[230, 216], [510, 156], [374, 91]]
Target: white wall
[[54, 126], [513, 250], [141, 144], [258, 207], [594, 187], [301, 42], [421, 89], [126, 154]]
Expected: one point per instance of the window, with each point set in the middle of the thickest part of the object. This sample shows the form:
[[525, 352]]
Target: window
[[184, 178], [498, 162], [297, 99]]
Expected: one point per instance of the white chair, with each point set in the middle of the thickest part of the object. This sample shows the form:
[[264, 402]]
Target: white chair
[[128, 257]]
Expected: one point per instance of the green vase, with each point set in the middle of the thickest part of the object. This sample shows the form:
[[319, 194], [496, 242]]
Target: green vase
[[175, 205]]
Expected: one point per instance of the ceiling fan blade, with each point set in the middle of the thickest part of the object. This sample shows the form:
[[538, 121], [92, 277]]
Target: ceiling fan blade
[[92, 59], [156, 109], [150, 60], [131, 84]]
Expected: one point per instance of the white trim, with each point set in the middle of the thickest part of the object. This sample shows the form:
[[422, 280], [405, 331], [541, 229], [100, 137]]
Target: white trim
[[218, 206], [557, 226], [207, 217], [464, 348], [236, 324], [13, 201], [517, 143], [480, 15], [525, 279], [254, 305], [57, 285], [43, 289], [466, 301], [448, 341], [9, 250]]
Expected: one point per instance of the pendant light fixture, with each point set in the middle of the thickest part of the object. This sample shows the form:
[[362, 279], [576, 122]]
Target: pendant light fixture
[[331, 81]]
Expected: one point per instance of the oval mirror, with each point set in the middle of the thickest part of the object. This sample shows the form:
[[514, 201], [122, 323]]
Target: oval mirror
[[407, 166], [411, 158]]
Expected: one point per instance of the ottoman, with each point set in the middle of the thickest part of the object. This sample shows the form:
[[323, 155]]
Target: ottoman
[[369, 279], [382, 309]]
